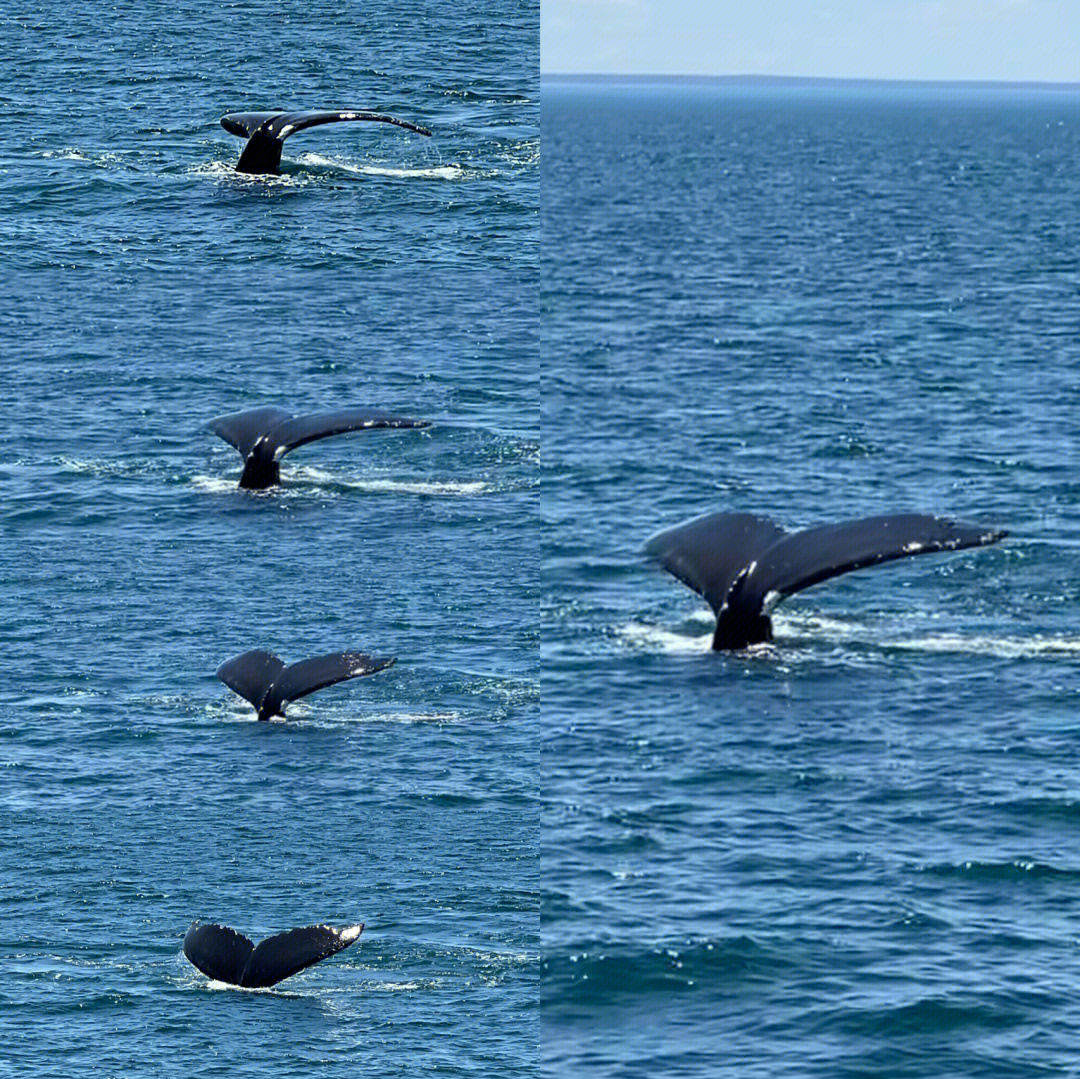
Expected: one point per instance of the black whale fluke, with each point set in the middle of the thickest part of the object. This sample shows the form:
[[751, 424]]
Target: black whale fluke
[[264, 680], [227, 956], [266, 131], [744, 564], [264, 435]]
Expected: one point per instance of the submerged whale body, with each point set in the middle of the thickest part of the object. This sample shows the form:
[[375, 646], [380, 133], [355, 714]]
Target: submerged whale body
[[227, 956], [264, 435], [264, 680], [743, 565], [267, 131]]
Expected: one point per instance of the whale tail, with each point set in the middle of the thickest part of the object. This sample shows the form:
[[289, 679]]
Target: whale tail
[[227, 956], [264, 680], [743, 565], [264, 435], [267, 131]]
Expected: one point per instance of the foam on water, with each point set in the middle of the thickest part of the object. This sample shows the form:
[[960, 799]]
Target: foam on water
[[430, 172], [421, 487], [107, 160], [310, 476], [94, 467], [805, 629], [885, 637], [226, 170], [1002, 647], [334, 717], [268, 990], [657, 639], [220, 485], [414, 717]]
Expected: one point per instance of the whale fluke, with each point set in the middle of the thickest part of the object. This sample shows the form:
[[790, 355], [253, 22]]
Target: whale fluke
[[743, 565], [264, 435], [264, 680], [266, 131], [227, 956]]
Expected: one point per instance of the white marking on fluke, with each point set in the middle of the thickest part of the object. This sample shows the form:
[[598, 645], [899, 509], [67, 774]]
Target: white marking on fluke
[[351, 933]]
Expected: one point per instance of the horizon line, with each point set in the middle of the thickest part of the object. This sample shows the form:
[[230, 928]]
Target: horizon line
[[1030, 84]]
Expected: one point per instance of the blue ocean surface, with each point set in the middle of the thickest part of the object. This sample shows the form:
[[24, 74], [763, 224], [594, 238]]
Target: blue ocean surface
[[147, 289], [856, 851]]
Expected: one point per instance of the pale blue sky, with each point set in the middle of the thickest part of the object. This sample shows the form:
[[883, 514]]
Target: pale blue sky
[[1015, 40]]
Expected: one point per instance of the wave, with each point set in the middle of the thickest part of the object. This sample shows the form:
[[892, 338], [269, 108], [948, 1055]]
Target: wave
[[611, 973], [1014, 869]]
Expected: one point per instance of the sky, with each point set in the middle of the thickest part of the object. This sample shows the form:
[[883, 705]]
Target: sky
[[1003, 40]]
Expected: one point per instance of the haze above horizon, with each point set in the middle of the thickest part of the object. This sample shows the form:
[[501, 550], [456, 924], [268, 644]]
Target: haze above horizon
[[932, 40]]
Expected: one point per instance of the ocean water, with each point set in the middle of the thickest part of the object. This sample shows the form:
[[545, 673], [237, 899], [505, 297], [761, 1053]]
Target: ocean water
[[147, 289], [855, 852]]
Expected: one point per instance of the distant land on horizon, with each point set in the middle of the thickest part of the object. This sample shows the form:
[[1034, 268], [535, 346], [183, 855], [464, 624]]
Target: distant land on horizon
[[806, 80]]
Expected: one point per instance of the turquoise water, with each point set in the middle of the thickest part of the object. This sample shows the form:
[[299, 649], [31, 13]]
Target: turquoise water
[[854, 852], [149, 289]]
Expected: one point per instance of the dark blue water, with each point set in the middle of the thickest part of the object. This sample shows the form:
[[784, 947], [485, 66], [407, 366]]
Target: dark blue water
[[148, 289], [856, 852]]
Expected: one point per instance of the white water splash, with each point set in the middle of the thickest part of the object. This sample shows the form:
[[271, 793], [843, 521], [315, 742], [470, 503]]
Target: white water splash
[[226, 170], [818, 626], [216, 986], [215, 485], [91, 467], [1001, 647], [334, 718], [422, 487], [656, 639], [317, 477], [414, 717], [329, 716], [977, 644], [69, 153], [507, 958], [433, 172], [804, 629]]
